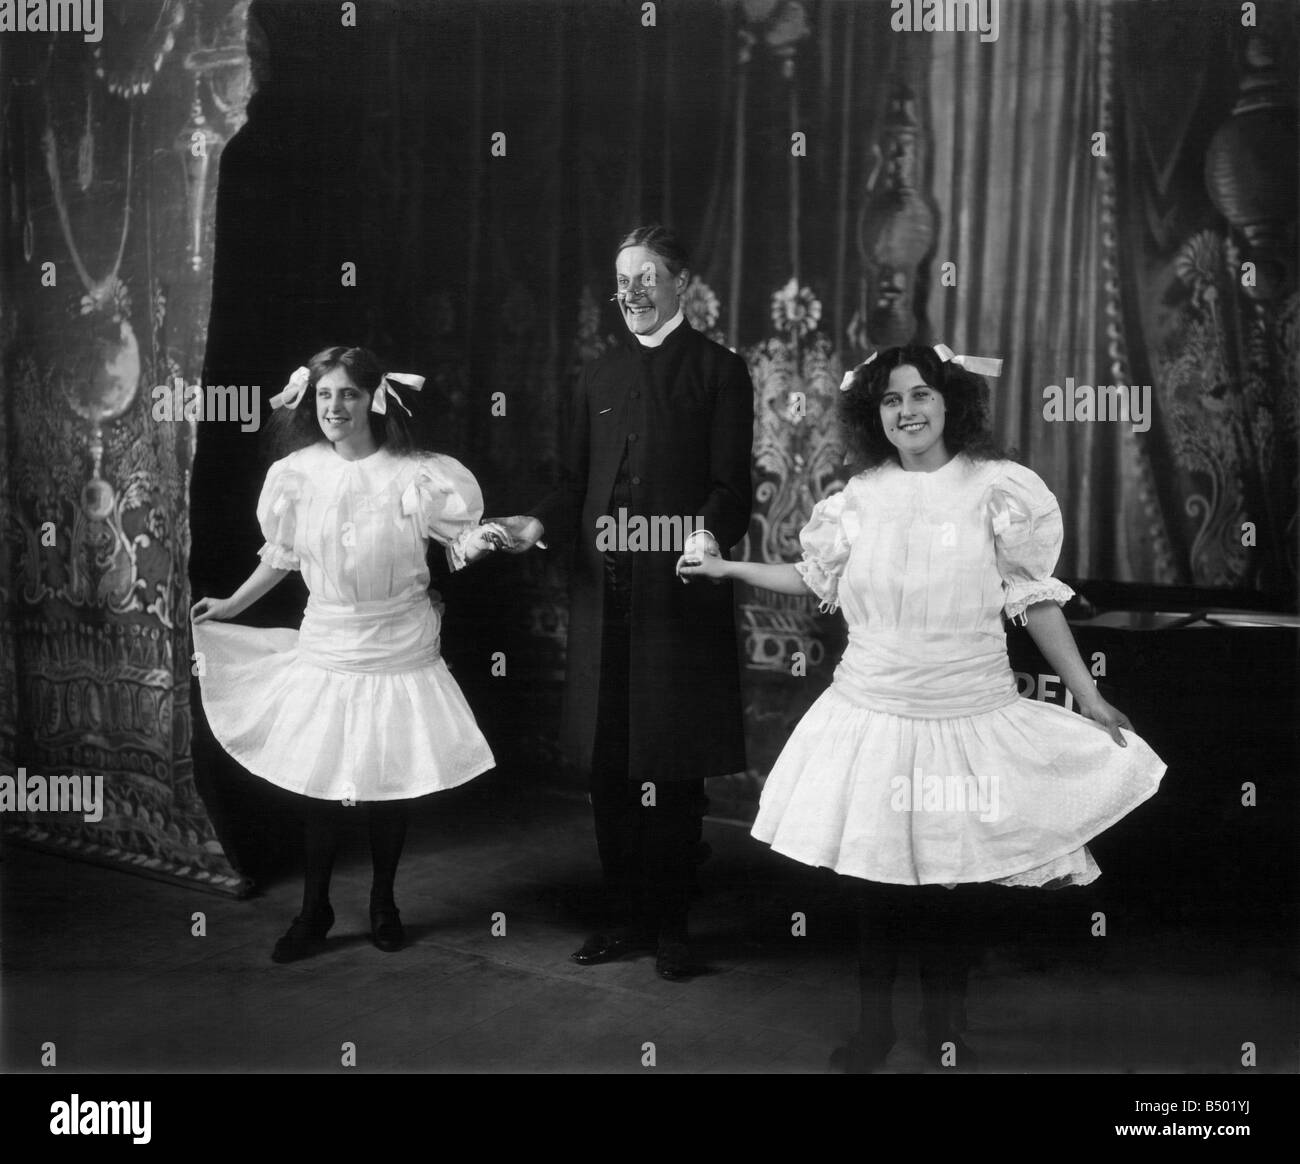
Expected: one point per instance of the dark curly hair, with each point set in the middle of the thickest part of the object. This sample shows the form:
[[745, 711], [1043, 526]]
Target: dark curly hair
[[291, 429], [966, 426]]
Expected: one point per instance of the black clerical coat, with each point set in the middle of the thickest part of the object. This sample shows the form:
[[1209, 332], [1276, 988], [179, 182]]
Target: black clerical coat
[[684, 413]]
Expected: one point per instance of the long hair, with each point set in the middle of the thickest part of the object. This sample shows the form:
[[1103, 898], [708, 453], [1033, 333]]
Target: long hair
[[967, 427], [291, 429]]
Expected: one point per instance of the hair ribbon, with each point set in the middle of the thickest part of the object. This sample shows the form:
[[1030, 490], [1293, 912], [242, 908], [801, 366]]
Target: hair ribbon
[[292, 393], [388, 387], [847, 382], [980, 365]]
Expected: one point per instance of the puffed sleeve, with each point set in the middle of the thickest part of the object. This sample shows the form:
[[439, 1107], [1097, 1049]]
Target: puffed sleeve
[[1027, 537], [826, 540], [277, 515], [447, 502]]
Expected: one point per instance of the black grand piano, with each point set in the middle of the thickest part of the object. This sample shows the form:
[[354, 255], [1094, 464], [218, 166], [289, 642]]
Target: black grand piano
[[1212, 685]]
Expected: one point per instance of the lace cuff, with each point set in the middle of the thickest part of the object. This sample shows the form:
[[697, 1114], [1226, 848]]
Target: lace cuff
[[458, 547], [279, 557], [1021, 597], [822, 582]]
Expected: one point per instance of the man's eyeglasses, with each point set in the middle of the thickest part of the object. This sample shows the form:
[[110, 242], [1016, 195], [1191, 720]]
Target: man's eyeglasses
[[646, 278]]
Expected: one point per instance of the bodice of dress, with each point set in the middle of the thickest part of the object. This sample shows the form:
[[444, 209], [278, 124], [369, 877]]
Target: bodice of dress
[[357, 704], [358, 530], [924, 566]]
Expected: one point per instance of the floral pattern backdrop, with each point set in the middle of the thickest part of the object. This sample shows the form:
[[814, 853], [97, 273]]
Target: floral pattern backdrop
[[1211, 195], [110, 168]]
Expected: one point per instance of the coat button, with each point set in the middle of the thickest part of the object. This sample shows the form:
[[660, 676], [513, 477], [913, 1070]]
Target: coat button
[[636, 395], [631, 436], [636, 480]]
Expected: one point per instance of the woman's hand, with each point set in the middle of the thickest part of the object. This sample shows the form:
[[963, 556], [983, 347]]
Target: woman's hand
[[698, 565], [487, 537], [1110, 718], [212, 608]]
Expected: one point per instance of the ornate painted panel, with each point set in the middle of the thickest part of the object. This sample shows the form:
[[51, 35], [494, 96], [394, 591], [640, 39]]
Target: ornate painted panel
[[111, 156]]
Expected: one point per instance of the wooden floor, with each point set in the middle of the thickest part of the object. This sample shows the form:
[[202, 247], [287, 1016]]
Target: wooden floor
[[103, 964]]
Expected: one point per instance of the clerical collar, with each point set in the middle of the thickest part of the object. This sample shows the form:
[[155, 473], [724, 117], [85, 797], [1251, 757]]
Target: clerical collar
[[654, 339]]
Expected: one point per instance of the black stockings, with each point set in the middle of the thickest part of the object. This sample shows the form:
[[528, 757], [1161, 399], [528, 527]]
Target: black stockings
[[323, 825], [947, 927]]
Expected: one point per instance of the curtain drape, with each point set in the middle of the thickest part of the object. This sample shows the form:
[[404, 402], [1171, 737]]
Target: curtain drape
[[109, 160], [1103, 172], [1026, 192]]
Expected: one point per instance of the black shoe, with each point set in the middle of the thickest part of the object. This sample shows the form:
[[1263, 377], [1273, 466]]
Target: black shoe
[[386, 930], [673, 962], [304, 938], [606, 948]]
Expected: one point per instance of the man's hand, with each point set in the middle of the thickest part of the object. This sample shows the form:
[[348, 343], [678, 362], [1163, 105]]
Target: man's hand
[[525, 532], [698, 565]]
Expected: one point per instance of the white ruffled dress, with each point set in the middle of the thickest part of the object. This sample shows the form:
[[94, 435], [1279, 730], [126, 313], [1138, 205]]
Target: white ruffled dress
[[358, 704], [921, 764]]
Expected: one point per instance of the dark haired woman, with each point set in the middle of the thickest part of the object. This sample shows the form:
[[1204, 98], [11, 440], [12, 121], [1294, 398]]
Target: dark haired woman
[[921, 771], [356, 707]]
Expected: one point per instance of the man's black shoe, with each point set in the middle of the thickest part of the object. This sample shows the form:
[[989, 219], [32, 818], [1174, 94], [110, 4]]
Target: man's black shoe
[[606, 948], [673, 962], [386, 929]]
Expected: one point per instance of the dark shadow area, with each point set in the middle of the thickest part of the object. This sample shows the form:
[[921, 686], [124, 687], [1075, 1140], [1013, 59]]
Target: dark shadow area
[[307, 186]]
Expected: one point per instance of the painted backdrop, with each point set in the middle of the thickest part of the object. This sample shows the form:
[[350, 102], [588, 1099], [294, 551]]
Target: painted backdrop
[[110, 163]]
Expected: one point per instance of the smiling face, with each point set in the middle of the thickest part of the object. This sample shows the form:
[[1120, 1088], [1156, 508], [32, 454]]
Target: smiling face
[[648, 295], [912, 415], [343, 412]]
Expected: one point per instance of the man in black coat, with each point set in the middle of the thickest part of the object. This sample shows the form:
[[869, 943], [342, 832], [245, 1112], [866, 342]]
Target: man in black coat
[[658, 461]]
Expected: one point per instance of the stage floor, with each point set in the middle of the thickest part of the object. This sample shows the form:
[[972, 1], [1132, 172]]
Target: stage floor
[[103, 964]]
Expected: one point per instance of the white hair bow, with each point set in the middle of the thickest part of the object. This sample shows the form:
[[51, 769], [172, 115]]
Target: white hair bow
[[388, 387], [980, 365], [847, 382], [292, 393]]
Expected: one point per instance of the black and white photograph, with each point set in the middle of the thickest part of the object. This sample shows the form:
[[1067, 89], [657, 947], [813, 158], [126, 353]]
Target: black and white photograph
[[695, 537]]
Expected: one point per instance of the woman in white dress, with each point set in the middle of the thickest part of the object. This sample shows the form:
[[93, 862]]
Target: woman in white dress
[[920, 770], [357, 707]]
